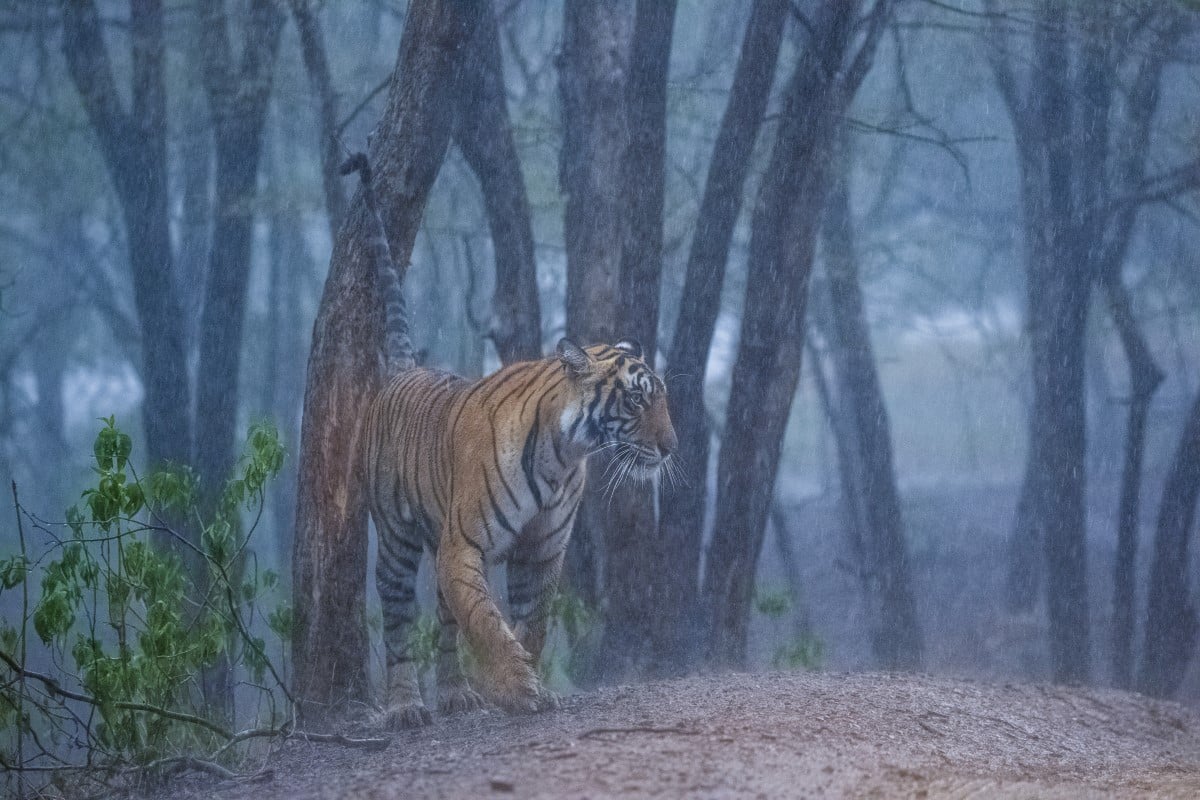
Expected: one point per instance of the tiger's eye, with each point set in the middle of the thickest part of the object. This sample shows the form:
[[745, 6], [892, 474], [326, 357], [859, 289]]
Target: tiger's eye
[[635, 397]]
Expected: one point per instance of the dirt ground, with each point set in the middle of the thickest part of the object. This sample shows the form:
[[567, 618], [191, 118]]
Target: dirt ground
[[769, 735]]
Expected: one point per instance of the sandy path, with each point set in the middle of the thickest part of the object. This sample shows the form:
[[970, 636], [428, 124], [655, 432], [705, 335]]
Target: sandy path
[[772, 735]]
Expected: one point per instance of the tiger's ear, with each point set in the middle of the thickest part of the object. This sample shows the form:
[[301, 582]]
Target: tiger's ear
[[631, 346], [573, 357]]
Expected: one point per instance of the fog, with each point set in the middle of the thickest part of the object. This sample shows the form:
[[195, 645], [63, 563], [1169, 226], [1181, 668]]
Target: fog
[[931, 336]]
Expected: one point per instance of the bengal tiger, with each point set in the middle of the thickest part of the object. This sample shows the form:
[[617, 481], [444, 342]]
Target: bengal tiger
[[489, 471]]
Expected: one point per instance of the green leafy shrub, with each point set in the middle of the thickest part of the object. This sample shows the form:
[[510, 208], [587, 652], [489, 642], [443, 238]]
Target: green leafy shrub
[[803, 651], [140, 594]]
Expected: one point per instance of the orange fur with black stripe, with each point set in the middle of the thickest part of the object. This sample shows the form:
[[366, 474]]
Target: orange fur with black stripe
[[490, 471]]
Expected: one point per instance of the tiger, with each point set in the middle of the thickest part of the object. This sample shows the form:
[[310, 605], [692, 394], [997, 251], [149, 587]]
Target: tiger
[[491, 471]]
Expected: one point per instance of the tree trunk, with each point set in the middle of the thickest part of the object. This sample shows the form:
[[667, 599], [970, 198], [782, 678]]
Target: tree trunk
[[592, 86], [238, 104], [682, 509], [1144, 380], [636, 643], [1051, 144], [1074, 163], [312, 50], [1171, 623], [896, 640], [134, 146], [484, 135], [767, 367], [329, 647]]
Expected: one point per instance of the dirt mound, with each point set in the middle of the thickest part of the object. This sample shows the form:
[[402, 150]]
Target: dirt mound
[[772, 735]]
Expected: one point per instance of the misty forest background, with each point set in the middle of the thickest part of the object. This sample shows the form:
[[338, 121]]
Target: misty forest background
[[923, 277]]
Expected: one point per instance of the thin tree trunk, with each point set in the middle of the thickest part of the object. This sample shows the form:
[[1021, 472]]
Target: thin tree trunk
[[896, 640], [329, 647], [682, 509], [1051, 143], [767, 367], [133, 142], [1144, 380], [238, 104], [484, 135], [312, 50], [1171, 623]]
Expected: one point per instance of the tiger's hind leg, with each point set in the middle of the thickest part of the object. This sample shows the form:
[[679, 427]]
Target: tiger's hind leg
[[396, 576], [455, 694]]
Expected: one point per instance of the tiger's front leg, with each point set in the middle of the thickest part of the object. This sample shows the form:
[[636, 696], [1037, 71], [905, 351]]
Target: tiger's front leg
[[507, 672], [532, 584]]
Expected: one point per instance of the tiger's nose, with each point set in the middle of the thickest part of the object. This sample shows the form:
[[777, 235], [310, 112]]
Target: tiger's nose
[[668, 442]]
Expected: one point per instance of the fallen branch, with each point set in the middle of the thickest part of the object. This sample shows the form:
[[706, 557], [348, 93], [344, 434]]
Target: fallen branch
[[593, 732]]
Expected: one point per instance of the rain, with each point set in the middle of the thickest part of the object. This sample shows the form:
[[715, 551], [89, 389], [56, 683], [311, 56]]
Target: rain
[[692, 398]]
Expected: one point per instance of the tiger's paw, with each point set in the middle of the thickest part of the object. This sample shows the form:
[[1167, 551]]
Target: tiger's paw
[[459, 699], [520, 692], [402, 717]]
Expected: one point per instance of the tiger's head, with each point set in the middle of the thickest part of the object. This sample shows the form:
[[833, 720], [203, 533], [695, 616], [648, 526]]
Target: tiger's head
[[623, 403]]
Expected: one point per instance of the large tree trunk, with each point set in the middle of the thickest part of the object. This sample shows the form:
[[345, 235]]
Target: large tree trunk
[[329, 648], [767, 367], [133, 142], [592, 86], [484, 135], [1171, 623], [637, 643], [896, 640], [682, 509]]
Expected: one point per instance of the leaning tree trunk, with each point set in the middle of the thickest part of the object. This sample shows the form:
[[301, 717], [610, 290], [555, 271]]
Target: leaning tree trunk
[[312, 50], [484, 135], [682, 511], [329, 646], [1171, 622], [896, 640], [767, 367], [592, 77]]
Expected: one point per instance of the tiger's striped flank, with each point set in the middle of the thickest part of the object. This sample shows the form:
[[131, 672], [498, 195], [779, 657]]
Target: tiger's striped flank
[[492, 471]]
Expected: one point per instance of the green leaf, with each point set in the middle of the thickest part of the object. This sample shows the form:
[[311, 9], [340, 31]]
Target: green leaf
[[13, 571]]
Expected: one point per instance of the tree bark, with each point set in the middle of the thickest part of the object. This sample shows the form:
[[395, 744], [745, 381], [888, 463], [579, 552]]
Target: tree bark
[[767, 367], [637, 643], [682, 510], [1171, 622], [896, 640], [592, 84], [133, 142], [484, 136], [329, 647]]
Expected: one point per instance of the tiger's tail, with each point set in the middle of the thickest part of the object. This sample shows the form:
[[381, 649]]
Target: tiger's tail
[[397, 353]]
